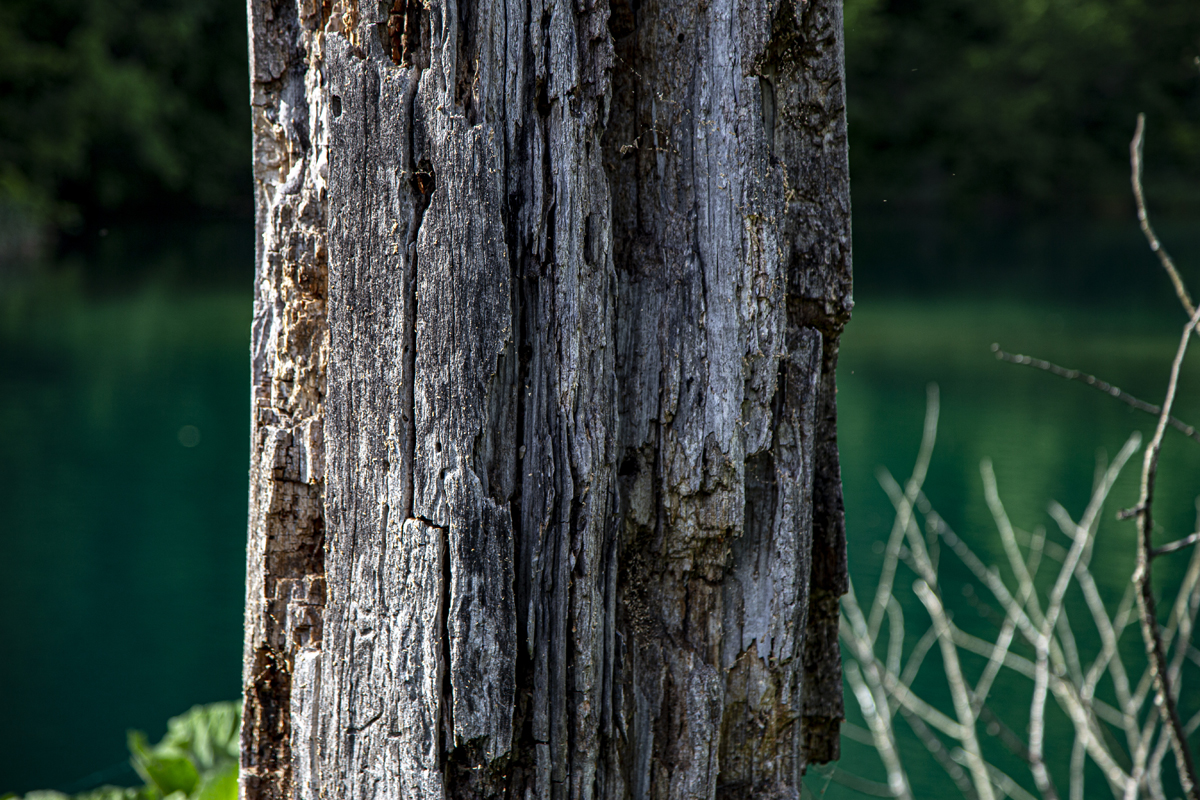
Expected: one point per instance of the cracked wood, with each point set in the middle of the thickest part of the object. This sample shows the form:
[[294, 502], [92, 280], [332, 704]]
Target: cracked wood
[[545, 494]]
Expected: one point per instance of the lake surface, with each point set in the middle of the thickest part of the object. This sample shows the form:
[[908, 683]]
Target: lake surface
[[124, 422]]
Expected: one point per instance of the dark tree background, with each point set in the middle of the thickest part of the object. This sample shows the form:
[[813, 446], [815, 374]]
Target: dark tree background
[[131, 108], [998, 107], [123, 108]]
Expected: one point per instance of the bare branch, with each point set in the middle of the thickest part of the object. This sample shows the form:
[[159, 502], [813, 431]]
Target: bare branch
[[958, 691], [1028, 595], [1141, 576], [1178, 544], [1135, 165], [1093, 381]]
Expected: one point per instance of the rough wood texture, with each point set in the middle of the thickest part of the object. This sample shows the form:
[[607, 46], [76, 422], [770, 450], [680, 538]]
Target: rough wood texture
[[285, 575], [549, 296]]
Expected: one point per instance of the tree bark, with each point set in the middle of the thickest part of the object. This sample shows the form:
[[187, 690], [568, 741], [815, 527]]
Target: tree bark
[[545, 498]]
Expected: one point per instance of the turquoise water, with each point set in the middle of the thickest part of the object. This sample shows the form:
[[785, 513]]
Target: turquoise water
[[124, 425], [123, 452]]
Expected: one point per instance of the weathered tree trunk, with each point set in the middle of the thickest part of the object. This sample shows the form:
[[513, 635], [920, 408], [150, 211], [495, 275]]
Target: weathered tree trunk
[[545, 494]]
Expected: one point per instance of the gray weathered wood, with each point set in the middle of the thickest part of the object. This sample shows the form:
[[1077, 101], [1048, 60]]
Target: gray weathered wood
[[546, 326]]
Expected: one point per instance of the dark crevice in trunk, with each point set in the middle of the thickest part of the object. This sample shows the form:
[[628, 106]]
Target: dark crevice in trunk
[[422, 184], [266, 728], [407, 21], [447, 690], [621, 18], [467, 64]]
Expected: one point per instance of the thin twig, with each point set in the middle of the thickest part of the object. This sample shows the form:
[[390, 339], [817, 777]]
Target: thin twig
[[1141, 577], [995, 662], [860, 735], [940, 754], [1135, 166], [896, 640], [1096, 383], [958, 690], [904, 514], [1077, 759], [1178, 544], [885, 743], [861, 785], [917, 657], [1138, 771], [1004, 783], [996, 727], [1008, 785]]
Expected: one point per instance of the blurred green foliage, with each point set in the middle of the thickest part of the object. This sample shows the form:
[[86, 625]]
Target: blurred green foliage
[[196, 760], [1022, 105], [122, 108], [136, 108]]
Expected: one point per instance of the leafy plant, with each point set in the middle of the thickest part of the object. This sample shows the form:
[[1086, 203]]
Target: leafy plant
[[197, 759]]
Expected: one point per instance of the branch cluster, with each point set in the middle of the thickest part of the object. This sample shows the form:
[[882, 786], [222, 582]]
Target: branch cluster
[[1127, 736]]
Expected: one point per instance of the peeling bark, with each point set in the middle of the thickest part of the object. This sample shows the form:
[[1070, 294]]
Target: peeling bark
[[545, 498]]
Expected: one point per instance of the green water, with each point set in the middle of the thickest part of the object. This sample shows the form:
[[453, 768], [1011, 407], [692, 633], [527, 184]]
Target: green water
[[121, 546], [123, 451]]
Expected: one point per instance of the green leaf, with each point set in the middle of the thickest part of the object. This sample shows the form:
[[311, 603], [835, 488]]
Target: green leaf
[[207, 734], [168, 769], [196, 760], [220, 785]]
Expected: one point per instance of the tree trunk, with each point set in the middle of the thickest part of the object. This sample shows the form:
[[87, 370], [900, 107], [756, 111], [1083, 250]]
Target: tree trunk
[[545, 499]]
